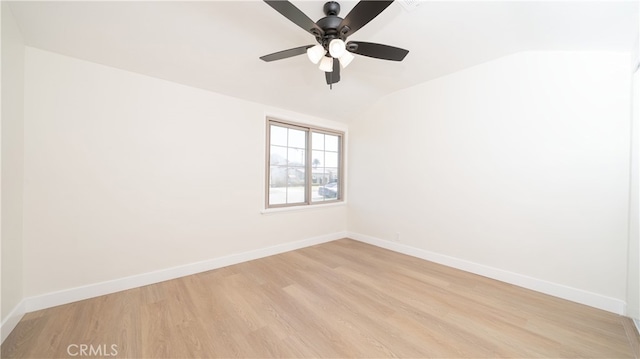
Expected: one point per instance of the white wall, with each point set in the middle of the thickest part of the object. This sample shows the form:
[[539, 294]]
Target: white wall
[[520, 164], [12, 165], [633, 276], [127, 174]]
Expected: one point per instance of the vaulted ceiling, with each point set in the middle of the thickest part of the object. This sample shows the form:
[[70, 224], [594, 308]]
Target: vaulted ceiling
[[215, 45]]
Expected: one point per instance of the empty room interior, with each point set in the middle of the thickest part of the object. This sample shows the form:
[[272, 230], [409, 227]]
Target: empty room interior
[[313, 179]]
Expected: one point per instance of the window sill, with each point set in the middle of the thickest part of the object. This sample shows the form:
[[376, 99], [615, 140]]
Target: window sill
[[311, 207]]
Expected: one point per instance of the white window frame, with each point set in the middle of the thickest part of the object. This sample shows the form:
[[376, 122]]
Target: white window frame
[[308, 203]]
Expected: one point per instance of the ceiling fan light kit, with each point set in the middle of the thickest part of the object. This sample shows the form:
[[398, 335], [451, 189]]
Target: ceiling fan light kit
[[331, 32]]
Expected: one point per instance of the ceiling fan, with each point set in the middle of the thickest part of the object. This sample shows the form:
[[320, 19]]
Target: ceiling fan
[[331, 32]]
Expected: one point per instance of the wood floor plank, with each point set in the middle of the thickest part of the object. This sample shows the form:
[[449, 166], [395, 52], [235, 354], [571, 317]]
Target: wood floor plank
[[632, 334], [339, 299]]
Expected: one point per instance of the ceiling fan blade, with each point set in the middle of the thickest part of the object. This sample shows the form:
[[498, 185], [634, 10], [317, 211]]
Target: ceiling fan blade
[[361, 14], [333, 77], [378, 51], [294, 14], [285, 53]]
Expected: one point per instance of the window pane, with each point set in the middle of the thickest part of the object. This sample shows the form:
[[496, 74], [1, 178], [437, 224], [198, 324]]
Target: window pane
[[296, 184], [278, 195], [317, 141], [331, 159], [296, 176], [277, 176], [286, 185], [295, 194], [320, 176], [278, 135], [317, 159], [278, 156], [332, 174], [327, 192], [331, 143], [317, 193], [296, 157], [297, 138]]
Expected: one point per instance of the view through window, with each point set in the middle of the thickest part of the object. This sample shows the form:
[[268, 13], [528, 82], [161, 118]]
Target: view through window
[[304, 165]]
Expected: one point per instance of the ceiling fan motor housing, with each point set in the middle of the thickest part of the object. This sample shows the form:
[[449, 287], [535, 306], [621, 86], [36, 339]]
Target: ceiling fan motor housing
[[330, 24]]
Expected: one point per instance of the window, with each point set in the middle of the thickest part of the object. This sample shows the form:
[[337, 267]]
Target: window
[[304, 165]]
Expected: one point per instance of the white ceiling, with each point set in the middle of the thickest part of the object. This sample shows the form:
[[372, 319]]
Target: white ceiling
[[215, 45]]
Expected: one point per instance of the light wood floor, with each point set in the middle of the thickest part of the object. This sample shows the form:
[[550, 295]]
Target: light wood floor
[[339, 299]]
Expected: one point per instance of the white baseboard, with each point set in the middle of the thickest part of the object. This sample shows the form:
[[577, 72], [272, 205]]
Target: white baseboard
[[557, 290], [10, 322], [53, 299]]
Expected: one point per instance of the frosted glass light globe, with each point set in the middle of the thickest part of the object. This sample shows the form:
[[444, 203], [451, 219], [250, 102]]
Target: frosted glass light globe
[[337, 48], [315, 53], [346, 59], [326, 64]]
